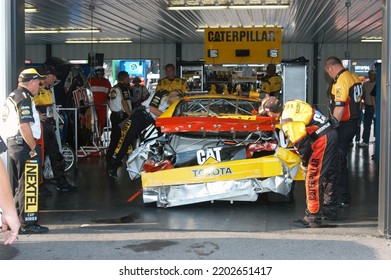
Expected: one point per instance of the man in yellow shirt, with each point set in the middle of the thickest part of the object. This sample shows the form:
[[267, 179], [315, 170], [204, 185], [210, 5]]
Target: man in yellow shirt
[[345, 93], [273, 83], [315, 140]]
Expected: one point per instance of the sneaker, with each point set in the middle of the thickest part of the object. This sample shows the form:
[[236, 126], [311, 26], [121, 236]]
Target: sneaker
[[363, 145], [113, 173], [309, 222], [33, 229], [66, 188]]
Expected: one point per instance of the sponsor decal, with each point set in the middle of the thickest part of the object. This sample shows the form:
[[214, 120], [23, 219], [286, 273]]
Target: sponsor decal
[[210, 153], [242, 36], [31, 191], [313, 186], [211, 172]]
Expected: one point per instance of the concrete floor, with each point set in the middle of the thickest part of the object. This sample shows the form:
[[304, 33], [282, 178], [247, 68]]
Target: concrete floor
[[98, 223]]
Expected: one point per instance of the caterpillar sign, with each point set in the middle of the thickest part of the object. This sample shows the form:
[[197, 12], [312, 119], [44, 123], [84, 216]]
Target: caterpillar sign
[[243, 45]]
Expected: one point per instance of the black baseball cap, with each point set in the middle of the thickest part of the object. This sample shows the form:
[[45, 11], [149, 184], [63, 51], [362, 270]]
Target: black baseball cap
[[272, 104], [30, 74], [47, 70]]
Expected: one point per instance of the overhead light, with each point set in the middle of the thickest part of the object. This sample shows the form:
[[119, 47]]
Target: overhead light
[[371, 39], [200, 29], [61, 30], [98, 41], [30, 10], [226, 7], [189, 8], [247, 7], [227, 4]]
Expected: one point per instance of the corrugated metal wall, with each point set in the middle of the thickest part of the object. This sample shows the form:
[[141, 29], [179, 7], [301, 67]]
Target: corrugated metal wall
[[191, 52]]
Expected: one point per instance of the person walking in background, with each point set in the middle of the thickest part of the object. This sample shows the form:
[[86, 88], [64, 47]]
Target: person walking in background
[[272, 83], [100, 87], [8, 215], [316, 142], [345, 94], [120, 107], [139, 93], [24, 128], [369, 110]]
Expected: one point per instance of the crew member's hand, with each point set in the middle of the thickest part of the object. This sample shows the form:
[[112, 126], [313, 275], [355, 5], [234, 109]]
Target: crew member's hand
[[12, 222], [42, 117], [303, 168]]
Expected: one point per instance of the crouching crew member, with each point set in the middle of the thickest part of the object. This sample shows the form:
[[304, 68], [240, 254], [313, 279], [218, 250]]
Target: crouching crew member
[[167, 91], [317, 143]]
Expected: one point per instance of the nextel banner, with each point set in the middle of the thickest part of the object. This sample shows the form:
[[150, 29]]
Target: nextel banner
[[242, 45]]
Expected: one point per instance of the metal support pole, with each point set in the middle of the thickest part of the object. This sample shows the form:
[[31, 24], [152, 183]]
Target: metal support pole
[[384, 224]]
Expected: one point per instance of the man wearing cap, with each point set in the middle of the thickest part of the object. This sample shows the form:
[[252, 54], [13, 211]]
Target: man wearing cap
[[23, 127], [44, 104], [316, 142]]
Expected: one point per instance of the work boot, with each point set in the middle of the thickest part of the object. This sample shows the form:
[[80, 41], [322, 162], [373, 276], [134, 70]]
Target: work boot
[[309, 222], [66, 187], [112, 172], [33, 229]]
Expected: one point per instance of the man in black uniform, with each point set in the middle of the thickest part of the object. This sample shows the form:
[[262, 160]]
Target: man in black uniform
[[44, 104], [23, 128], [120, 106]]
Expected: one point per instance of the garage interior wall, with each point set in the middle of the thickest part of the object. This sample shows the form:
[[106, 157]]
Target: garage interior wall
[[192, 52]]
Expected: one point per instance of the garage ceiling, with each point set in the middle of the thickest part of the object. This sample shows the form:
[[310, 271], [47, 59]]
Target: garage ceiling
[[306, 21]]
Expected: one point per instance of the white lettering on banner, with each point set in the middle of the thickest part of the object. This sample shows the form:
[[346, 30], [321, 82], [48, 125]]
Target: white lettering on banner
[[80, 94], [203, 156]]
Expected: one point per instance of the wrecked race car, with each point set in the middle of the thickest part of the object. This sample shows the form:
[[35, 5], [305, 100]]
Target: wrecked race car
[[213, 147]]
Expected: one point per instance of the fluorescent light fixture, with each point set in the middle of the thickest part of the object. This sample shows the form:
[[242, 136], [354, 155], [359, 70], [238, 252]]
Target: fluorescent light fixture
[[200, 29], [371, 39], [98, 41], [30, 10], [249, 7], [189, 8], [61, 30], [184, 5], [78, 61]]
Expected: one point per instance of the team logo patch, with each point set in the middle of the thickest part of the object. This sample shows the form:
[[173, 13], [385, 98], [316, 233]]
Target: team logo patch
[[25, 112]]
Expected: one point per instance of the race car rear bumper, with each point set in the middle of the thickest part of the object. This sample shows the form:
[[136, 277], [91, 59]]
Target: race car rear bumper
[[240, 180]]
